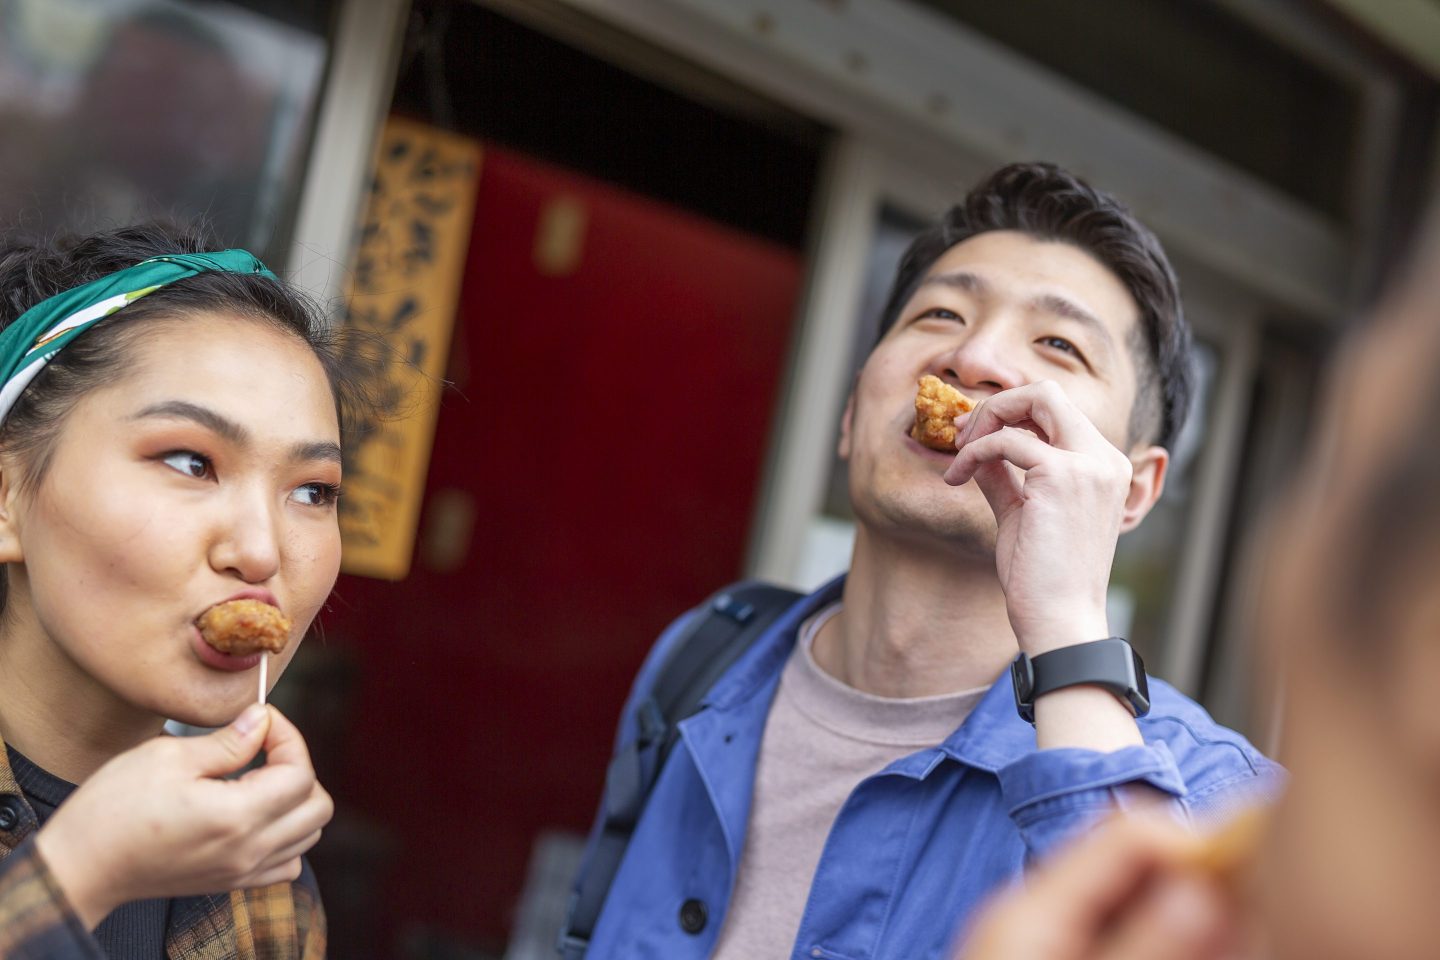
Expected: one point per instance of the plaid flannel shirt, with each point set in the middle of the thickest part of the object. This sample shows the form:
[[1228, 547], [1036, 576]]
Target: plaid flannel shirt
[[278, 922]]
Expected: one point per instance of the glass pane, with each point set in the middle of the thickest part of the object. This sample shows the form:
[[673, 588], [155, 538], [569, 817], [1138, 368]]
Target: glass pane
[[116, 112]]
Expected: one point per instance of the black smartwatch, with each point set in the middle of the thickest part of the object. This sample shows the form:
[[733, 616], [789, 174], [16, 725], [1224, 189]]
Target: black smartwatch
[[1110, 663]]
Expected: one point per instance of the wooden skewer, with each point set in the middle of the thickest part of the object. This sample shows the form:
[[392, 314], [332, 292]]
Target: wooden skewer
[[264, 659]]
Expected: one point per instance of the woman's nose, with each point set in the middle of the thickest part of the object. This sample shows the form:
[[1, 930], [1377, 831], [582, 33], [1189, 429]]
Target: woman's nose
[[247, 541]]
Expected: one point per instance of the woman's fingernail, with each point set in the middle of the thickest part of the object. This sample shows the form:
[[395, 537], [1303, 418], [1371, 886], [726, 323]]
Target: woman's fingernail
[[249, 719]]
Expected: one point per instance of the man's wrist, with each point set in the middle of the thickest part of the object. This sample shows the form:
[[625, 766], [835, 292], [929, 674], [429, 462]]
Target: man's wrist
[[1086, 717], [1035, 637]]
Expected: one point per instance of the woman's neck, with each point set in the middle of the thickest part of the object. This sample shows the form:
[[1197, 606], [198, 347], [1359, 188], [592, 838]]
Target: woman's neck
[[55, 713]]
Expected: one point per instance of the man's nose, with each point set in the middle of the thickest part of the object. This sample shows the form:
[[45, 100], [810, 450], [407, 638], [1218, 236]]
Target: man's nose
[[247, 538], [985, 359]]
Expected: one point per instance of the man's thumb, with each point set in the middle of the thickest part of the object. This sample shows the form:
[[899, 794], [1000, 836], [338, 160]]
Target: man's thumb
[[230, 748]]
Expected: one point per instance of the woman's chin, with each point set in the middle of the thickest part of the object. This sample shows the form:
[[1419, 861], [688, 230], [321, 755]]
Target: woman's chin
[[212, 713]]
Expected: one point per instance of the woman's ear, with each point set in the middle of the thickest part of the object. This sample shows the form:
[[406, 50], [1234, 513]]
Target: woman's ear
[[1147, 481], [10, 550]]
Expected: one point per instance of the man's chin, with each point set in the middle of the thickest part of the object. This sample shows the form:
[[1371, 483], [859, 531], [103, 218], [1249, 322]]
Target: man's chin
[[964, 523]]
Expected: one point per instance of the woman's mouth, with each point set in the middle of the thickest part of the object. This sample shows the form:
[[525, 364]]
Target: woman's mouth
[[213, 658]]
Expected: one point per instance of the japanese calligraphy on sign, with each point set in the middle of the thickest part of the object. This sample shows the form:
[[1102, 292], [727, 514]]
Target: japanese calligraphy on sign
[[403, 296]]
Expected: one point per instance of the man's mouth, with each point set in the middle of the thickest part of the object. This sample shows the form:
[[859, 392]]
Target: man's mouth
[[930, 453]]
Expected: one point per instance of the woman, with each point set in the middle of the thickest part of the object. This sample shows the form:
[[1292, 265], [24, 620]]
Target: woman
[[1349, 865], [170, 424]]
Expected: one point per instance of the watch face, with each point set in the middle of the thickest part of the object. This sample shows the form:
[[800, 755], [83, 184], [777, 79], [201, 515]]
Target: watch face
[[1022, 676], [1140, 701], [1142, 683]]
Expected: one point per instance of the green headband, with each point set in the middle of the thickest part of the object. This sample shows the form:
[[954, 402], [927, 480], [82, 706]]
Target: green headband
[[42, 331]]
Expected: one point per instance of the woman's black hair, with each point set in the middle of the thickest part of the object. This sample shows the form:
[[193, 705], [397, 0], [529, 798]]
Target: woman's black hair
[[32, 272]]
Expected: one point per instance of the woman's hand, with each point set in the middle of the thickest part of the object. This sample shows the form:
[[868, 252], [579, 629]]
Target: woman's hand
[[155, 821], [1128, 891]]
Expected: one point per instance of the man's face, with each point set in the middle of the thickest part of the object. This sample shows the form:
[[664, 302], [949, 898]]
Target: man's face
[[996, 311]]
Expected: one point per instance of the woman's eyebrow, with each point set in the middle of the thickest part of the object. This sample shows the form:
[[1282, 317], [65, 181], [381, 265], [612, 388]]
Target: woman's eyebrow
[[316, 450], [227, 429], [183, 410]]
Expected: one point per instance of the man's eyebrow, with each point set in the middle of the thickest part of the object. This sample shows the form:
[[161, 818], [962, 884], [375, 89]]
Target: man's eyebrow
[[1059, 306], [959, 279], [212, 421]]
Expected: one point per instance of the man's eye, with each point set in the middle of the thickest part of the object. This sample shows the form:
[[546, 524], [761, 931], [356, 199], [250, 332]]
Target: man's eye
[[1061, 344], [940, 313], [189, 463]]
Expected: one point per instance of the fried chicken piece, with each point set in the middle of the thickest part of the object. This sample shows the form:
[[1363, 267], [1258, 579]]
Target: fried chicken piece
[[936, 407], [1227, 852], [242, 627]]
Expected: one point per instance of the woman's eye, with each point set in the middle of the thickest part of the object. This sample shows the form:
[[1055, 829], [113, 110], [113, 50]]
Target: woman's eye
[[189, 463], [316, 494], [940, 313]]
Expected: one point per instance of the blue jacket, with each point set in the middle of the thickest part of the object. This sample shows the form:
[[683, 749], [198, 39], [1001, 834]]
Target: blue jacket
[[916, 846]]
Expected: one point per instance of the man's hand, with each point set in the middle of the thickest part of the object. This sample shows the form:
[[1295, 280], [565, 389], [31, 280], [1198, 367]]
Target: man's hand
[[1058, 489], [154, 821], [1128, 891]]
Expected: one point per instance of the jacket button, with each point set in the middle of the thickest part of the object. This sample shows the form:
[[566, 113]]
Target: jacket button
[[9, 814], [693, 916]]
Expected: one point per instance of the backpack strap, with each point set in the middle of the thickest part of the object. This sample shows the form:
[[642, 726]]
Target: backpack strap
[[732, 620]]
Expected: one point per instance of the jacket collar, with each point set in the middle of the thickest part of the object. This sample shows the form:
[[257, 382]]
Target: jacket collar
[[993, 736], [759, 666]]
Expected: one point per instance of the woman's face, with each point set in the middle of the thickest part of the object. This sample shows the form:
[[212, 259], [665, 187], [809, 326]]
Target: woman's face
[[206, 472]]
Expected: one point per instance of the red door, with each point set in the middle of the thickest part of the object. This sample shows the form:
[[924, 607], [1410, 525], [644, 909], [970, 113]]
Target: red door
[[616, 365]]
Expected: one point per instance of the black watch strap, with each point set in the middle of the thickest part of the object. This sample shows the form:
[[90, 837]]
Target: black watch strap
[[1110, 663]]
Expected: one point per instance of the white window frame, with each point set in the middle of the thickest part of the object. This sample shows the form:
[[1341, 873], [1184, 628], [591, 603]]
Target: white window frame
[[359, 87]]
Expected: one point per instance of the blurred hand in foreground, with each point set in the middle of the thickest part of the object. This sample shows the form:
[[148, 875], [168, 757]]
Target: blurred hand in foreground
[[1131, 890]]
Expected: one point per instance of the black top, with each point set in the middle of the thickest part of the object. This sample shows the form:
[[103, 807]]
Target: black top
[[134, 931]]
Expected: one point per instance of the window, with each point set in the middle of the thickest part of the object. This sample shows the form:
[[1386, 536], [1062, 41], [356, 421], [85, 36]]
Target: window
[[116, 112]]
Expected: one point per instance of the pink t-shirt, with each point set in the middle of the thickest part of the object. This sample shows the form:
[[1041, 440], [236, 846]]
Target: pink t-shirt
[[821, 739]]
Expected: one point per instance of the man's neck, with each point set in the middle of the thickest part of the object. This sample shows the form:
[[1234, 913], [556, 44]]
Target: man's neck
[[54, 713], [916, 624]]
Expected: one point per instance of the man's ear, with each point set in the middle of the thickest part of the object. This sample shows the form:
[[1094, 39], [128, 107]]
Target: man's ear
[[1147, 481], [10, 550], [846, 420]]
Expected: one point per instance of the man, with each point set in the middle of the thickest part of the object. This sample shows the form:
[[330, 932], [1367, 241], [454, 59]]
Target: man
[[1349, 863], [861, 777]]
